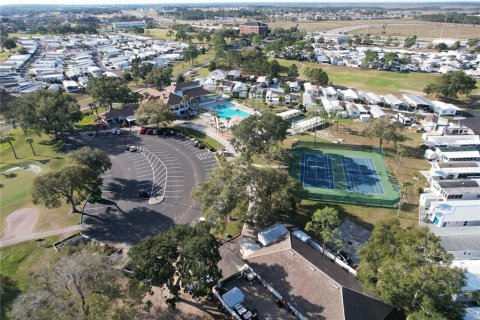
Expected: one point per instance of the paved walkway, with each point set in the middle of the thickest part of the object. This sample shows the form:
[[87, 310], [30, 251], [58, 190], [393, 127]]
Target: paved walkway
[[39, 235]]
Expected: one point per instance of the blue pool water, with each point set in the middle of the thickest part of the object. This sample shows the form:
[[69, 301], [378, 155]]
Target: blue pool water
[[228, 110]]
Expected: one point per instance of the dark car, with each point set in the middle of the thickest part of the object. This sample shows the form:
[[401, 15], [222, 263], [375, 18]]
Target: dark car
[[144, 193], [149, 131], [201, 146]]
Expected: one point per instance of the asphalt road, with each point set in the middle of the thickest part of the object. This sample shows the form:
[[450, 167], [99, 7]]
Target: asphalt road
[[170, 166]]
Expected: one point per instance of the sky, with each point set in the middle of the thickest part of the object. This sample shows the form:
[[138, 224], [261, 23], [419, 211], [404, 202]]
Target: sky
[[236, 2]]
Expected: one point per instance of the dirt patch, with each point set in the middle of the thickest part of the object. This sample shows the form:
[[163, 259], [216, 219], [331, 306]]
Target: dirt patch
[[20, 223], [32, 167]]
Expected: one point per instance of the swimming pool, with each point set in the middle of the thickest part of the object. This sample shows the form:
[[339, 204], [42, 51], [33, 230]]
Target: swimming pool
[[228, 110]]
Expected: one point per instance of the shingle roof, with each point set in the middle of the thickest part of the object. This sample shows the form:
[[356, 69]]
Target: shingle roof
[[314, 285]]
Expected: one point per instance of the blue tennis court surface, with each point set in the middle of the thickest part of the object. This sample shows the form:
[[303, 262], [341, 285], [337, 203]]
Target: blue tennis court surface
[[361, 175], [316, 171]]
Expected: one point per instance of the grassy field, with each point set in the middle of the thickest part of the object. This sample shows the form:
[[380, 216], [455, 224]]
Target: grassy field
[[381, 82], [18, 262], [17, 178], [159, 33], [184, 66], [394, 27]]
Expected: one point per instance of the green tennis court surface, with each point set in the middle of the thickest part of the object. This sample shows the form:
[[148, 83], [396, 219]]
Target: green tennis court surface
[[344, 173]]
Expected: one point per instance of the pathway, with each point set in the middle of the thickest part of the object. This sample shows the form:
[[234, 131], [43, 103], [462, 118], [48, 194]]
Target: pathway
[[38, 235]]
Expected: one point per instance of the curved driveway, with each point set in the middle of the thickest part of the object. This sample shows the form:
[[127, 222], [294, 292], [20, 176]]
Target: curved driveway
[[125, 218]]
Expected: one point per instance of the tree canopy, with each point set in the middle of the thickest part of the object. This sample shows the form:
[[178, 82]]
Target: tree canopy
[[323, 223], [154, 113], [83, 283], [292, 71], [409, 269], [190, 53], [182, 258], [107, 90], [94, 159], [317, 75], [44, 111], [384, 131], [247, 193], [159, 77], [450, 85], [257, 133], [71, 183]]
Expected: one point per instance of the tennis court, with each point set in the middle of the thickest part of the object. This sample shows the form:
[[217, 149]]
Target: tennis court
[[361, 175], [344, 173], [316, 171]]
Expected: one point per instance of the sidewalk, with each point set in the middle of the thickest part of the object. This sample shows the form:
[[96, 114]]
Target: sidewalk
[[39, 235]]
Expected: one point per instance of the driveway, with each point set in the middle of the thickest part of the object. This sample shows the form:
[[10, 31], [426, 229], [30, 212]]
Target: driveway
[[169, 167]]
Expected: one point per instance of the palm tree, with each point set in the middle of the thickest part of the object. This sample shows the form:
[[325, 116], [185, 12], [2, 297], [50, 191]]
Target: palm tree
[[216, 118], [30, 141], [9, 139]]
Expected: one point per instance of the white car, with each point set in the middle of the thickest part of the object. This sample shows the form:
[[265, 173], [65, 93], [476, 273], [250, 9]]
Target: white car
[[116, 131]]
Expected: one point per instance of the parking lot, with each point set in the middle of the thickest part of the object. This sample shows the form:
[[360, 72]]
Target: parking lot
[[165, 167]]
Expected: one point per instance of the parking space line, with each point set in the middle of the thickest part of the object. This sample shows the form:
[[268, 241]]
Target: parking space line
[[144, 175]]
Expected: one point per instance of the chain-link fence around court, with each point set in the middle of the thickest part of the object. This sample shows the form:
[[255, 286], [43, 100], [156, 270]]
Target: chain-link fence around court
[[342, 191]]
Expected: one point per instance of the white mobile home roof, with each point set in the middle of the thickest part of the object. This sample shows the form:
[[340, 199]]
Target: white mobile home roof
[[444, 106], [461, 154], [472, 274], [390, 99], [415, 100], [464, 140], [349, 94], [377, 112], [457, 210], [371, 97], [288, 114], [361, 108]]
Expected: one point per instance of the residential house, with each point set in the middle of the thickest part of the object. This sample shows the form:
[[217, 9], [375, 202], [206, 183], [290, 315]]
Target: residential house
[[218, 74], [461, 213], [377, 112], [442, 108], [394, 102], [330, 93], [454, 170], [234, 75]]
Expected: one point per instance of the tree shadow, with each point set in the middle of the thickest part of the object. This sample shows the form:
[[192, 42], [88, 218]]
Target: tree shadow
[[45, 161], [9, 175], [126, 227], [9, 292]]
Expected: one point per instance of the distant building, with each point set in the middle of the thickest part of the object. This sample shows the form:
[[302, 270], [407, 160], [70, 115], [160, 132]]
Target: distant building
[[254, 27], [130, 24]]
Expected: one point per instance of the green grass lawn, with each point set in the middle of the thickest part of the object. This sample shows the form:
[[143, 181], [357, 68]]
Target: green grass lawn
[[184, 66], [17, 177], [381, 82], [7, 53], [86, 124], [159, 33], [200, 136], [18, 262]]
